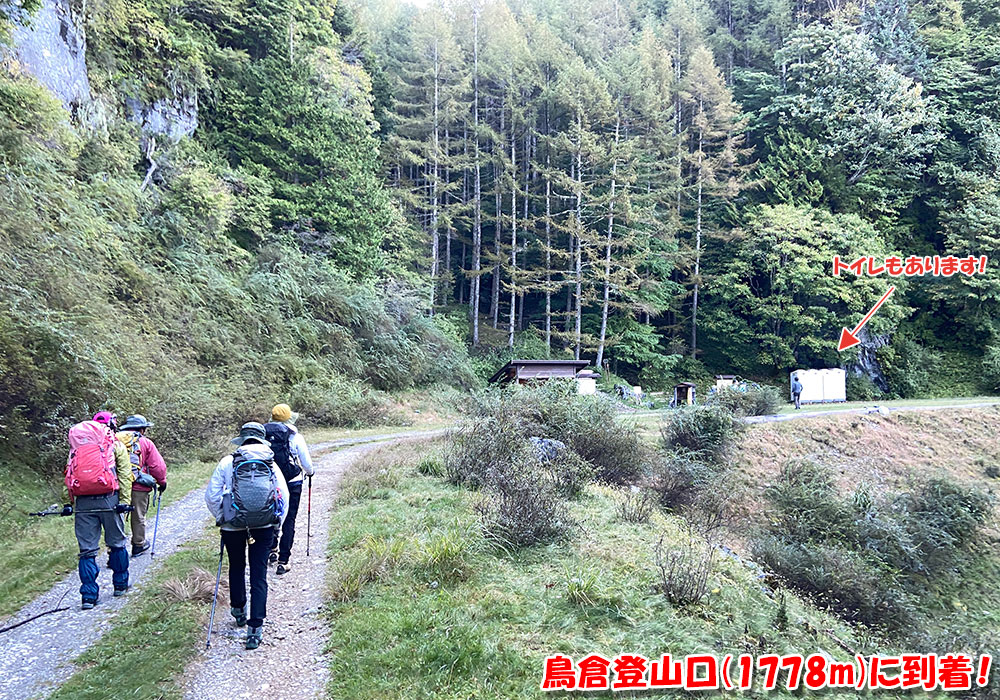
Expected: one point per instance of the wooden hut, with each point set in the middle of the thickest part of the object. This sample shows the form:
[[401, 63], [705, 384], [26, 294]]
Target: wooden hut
[[521, 371]]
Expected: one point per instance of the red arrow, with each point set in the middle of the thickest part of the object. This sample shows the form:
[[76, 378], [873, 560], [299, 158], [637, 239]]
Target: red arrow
[[848, 339]]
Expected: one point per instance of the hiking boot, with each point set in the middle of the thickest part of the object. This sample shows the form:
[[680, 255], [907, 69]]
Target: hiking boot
[[254, 636], [88, 604], [139, 551], [283, 568], [240, 614], [120, 592]]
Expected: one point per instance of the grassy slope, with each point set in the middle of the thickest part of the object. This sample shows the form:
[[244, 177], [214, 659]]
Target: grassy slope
[[414, 631], [889, 454], [402, 627]]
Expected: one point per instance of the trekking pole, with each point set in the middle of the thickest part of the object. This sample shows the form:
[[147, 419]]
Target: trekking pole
[[215, 596], [309, 510], [45, 513], [156, 525]]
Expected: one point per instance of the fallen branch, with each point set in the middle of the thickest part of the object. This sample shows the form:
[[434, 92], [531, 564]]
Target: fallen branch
[[8, 628], [41, 614], [150, 150]]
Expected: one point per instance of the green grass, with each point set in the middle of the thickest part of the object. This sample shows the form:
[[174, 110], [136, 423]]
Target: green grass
[[155, 636], [36, 552], [401, 629]]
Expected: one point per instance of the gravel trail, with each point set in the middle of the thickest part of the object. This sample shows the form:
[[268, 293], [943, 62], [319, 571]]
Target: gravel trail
[[290, 664], [38, 656]]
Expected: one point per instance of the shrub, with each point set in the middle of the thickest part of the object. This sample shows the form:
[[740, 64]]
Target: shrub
[[909, 367], [589, 425], [485, 448], [856, 588], [431, 466], [636, 505], [806, 503], [568, 473], [683, 571], [945, 518], [518, 510], [503, 421], [860, 387], [748, 400], [676, 479], [867, 557], [702, 432]]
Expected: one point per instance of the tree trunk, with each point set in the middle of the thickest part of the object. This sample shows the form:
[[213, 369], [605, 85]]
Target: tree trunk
[[447, 291], [578, 329], [697, 250], [548, 253], [607, 246], [477, 230], [513, 233], [498, 181], [435, 238]]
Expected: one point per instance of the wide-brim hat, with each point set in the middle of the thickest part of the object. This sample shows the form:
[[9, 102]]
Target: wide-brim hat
[[135, 422], [250, 431]]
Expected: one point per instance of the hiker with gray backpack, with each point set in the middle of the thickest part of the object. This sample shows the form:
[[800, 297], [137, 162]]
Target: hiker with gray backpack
[[247, 495], [291, 454]]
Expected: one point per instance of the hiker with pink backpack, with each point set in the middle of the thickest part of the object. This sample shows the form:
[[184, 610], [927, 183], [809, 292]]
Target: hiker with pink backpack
[[98, 492]]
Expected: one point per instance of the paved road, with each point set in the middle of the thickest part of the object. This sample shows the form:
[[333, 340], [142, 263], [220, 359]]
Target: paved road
[[38, 656]]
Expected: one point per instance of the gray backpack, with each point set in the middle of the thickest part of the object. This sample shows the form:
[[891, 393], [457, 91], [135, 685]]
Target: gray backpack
[[255, 500]]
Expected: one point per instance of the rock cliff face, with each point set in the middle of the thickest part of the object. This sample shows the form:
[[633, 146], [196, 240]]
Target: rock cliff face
[[172, 119], [51, 46], [867, 362]]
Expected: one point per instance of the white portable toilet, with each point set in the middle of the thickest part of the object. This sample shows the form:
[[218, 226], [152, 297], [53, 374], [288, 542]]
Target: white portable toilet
[[812, 385], [834, 385], [586, 382], [821, 385]]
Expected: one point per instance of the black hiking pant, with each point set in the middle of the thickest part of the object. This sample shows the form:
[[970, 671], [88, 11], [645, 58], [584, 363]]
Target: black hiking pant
[[288, 529], [237, 546]]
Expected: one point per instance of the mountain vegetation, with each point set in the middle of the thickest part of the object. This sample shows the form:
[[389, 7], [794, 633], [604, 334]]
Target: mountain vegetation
[[663, 184], [199, 279], [364, 192]]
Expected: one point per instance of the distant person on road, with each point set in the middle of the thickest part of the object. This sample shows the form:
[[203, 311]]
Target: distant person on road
[[796, 391], [248, 497], [148, 471], [97, 490], [291, 454]]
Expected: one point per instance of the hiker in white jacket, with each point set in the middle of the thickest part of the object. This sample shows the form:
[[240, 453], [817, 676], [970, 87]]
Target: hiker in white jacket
[[239, 541]]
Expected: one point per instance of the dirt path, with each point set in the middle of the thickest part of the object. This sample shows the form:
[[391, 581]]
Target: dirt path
[[37, 657], [289, 665], [864, 410]]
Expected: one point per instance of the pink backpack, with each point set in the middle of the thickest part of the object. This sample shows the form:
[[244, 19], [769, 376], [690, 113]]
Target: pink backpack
[[91, 470]]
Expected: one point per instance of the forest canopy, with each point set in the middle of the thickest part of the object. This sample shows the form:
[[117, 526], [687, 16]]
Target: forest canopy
[[662, 184]]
